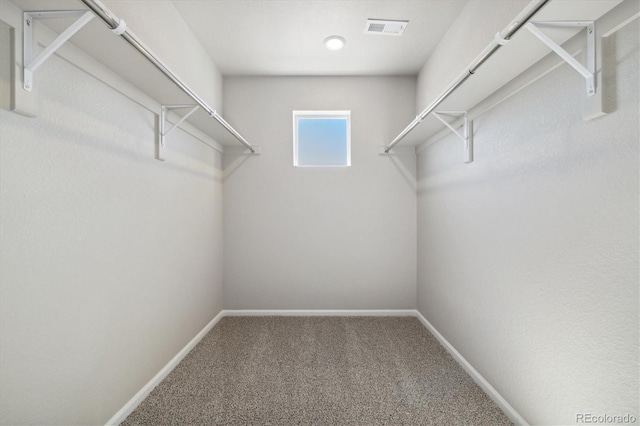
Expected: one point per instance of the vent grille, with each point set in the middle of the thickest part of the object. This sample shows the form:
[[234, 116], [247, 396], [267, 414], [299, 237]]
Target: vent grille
[[385, 27], [375, 28]]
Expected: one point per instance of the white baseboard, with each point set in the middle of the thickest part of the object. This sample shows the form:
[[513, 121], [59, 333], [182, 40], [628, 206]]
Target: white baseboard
[[320, 312], [481, 381], [133, 403]]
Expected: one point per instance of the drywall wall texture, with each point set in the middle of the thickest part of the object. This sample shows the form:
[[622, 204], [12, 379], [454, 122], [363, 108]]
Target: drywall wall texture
[[477, 25], [528, 257], [110, 261], [161, 27], [319, 238]]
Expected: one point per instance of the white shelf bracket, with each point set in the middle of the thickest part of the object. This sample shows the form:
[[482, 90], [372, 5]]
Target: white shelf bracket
[[162, 132], [467, 130], [32, 64], [588, 71]]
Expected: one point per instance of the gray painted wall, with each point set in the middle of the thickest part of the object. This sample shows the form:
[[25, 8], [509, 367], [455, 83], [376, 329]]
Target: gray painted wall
[[110, 261], [528, 257], [319, 238]]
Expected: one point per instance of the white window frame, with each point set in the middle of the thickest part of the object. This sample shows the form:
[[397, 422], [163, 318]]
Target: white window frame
[[320, 115]]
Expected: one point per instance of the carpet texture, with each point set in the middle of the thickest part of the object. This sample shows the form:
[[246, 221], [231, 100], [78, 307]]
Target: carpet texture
[[318, 371]]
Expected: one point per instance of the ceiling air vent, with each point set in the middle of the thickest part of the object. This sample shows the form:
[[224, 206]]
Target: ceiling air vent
[[385, 27]]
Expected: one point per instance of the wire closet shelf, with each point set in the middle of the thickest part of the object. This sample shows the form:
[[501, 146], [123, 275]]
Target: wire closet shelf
[[501, 39], [119, 27]]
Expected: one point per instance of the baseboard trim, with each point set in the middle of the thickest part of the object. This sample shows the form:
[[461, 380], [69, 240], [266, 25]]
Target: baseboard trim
[[133, 403], [320, 312], [477, 377]]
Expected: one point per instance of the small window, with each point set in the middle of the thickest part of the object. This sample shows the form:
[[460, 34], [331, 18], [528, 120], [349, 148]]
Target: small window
[[321, 138]]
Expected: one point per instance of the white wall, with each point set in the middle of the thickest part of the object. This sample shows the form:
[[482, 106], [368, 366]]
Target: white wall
[[528, 257], [319, 238], [110, 261]]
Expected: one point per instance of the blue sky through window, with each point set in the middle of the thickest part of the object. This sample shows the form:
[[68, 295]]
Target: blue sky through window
[[322, 141]]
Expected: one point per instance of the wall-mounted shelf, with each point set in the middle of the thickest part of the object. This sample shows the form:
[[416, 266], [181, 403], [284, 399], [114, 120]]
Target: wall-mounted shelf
[[512, 59], [118, 55]]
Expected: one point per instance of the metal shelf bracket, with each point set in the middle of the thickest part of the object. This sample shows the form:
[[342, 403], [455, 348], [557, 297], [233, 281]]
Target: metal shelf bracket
[[588, 71], [162, 133], [467, 130], [32, 64]]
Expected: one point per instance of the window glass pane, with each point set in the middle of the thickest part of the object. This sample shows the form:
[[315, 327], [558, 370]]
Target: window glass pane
[[322, 142]]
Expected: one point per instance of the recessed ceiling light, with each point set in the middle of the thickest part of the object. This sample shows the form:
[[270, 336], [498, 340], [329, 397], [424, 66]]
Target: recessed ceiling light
[[334, 42]]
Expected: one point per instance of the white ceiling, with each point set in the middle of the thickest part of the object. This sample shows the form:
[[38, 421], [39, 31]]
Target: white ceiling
[[285, 37]]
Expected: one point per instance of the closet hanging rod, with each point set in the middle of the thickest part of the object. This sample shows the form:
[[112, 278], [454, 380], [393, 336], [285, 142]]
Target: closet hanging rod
[[500, 39], [118, 26]]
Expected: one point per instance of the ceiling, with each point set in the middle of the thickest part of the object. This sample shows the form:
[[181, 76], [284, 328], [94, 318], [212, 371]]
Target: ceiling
[[285, 37]]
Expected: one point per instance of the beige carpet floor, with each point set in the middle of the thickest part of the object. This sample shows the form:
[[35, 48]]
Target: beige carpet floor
[[318, 371]]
